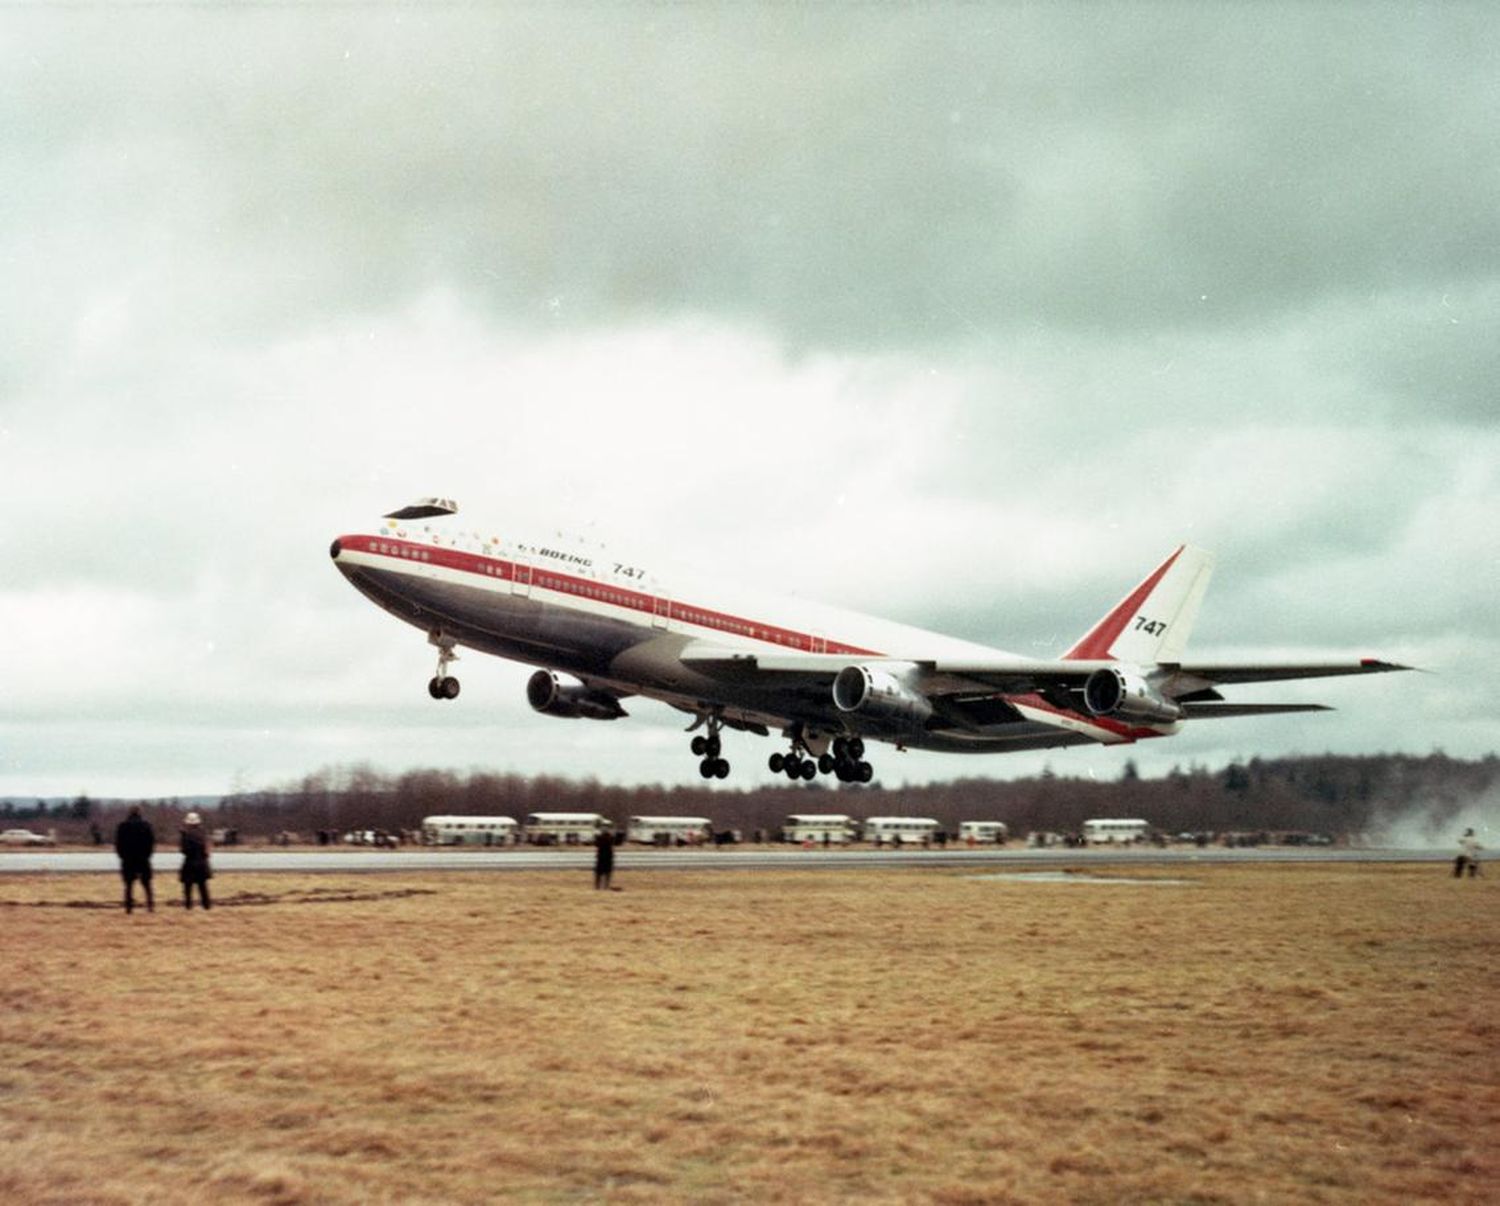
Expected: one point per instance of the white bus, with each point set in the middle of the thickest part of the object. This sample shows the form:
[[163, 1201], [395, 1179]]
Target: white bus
[[565, 828], [469, 831], [821, 828], [668, 831], [983, 833], [900, 831], [1111, 831]]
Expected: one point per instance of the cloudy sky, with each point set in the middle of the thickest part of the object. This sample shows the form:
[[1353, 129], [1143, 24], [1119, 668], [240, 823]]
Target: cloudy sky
[[851, 300]]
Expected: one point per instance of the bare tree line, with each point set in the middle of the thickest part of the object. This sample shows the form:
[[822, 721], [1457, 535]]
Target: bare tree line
[[1345, 797], [1336, 795]]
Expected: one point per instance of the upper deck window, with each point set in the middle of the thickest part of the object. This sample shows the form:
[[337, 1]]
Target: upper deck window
[[425, 508]]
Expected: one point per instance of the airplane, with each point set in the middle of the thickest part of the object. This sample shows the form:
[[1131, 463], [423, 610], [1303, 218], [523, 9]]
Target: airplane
[[602, 630]]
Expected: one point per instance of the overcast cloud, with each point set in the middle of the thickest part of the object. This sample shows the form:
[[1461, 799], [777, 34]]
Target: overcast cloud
[[964, 315]]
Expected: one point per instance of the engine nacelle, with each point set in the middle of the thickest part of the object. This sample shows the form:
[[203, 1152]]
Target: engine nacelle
[[559, 695], [1124, 694], [875, 692]]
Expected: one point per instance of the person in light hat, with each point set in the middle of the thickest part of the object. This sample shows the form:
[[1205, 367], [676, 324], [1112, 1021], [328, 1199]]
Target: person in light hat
[[195, 865], [1468, 855]]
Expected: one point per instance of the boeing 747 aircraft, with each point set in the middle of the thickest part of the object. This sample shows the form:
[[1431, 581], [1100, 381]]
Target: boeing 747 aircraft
[[601, 630]]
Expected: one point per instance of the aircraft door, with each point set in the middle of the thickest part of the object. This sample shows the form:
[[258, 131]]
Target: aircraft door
[[520, 580]]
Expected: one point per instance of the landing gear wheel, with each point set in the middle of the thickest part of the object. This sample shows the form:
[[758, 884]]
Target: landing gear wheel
[[442, 685], [826, 764], [809, 770], [865, 772], [708, 747], [776, 762]]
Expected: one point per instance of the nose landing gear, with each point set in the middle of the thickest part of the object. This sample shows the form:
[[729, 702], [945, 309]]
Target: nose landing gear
[[442, 685]]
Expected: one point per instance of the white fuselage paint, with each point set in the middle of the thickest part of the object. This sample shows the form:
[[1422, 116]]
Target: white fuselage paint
[[619, 626]]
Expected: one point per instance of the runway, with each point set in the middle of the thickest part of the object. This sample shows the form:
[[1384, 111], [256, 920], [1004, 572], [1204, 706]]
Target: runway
[[742, 858]]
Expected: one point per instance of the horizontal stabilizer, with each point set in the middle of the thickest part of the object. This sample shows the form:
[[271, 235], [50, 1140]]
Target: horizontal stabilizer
[[1269, 672], [1212, 711]]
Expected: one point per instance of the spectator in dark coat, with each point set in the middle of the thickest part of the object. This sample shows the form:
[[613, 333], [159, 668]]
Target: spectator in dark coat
[[195, 868], [604, 859], [134, 842]]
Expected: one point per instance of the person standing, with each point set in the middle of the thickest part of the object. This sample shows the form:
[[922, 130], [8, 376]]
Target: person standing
[[1468, 855], [195, 866], [604, 859], [135, 841]]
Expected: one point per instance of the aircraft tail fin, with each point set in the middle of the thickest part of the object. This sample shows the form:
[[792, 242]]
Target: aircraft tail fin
[[1152, 623]]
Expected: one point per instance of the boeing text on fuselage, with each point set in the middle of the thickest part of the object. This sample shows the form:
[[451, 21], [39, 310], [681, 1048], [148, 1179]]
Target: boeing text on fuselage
[[601, 631]]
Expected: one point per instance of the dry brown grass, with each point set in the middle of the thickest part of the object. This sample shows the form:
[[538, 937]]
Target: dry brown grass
[[1305, 1034]]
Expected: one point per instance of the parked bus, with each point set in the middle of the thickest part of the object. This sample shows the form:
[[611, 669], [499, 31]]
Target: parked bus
[[565, 828], [900, 831], [668, 831], [469, 831], [983, 833], [822, 828], [1113, 831]]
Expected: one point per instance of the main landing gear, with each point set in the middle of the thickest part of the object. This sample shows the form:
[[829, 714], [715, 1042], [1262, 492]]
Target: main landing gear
[[844, 759], [443, 685], [793, 765], [812, 753], [708, 747]]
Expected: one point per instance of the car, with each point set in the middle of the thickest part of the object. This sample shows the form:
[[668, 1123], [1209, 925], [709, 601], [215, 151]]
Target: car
[[24, 837]]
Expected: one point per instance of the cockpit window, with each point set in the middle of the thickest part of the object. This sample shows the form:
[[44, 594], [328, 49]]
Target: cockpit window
[[425, 508]]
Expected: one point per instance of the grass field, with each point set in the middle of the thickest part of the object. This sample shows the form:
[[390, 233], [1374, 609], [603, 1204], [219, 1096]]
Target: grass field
[[1298, 1034]]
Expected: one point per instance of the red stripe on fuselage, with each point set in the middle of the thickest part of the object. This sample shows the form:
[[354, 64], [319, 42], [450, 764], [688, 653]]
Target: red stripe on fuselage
[[649, 607]]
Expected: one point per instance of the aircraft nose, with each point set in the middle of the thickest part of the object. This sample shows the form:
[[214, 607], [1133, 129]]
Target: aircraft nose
[[335, 549]]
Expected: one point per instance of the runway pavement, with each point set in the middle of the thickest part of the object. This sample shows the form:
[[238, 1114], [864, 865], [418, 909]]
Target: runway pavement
[[740, 858]]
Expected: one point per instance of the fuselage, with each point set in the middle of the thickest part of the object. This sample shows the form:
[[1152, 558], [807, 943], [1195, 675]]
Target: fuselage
[[620, 626]]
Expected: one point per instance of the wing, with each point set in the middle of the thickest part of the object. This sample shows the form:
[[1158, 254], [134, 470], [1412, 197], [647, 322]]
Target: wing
[[999, 695], [1015, 675]]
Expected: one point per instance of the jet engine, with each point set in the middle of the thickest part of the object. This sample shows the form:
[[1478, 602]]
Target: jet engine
[[875, 692], [560, 695], [1123, 693]]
